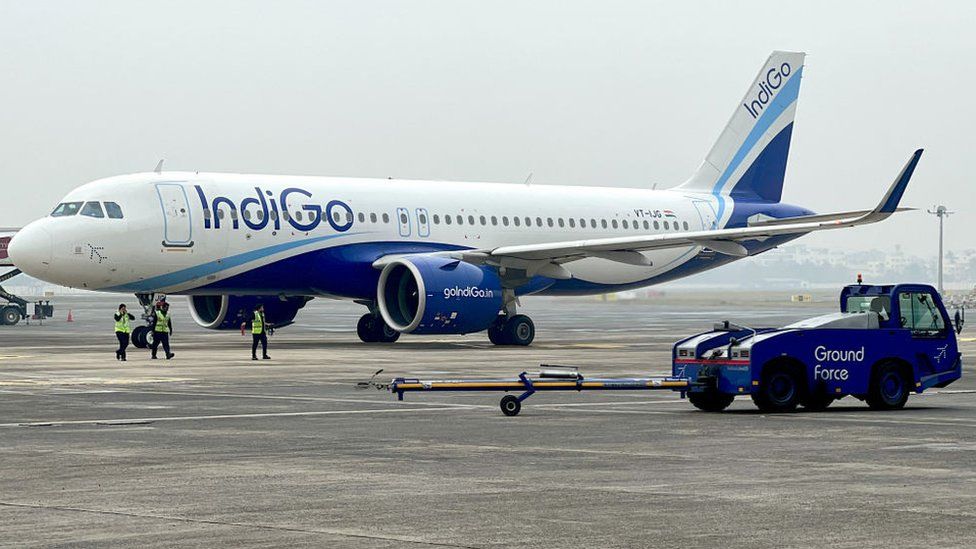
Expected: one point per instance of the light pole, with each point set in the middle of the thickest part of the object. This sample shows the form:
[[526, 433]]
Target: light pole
[[941, 212]]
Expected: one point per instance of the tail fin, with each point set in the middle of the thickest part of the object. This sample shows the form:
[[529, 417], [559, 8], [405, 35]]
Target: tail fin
[[749, 159]]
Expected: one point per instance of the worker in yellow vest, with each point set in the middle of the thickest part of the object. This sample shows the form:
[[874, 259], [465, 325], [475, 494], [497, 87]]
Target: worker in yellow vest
[[122, 331], [162, 328], [259, 333]]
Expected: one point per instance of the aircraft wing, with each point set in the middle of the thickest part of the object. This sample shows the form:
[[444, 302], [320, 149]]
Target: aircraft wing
[[545, 259], [5, 236]]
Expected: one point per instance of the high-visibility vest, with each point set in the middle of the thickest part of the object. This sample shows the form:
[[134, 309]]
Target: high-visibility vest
[[257, 325], [162, 322], [122, 324]]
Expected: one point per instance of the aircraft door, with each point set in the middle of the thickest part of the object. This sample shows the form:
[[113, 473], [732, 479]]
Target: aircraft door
[[403, 219], [707, 214], [423, 223], [177, 222]]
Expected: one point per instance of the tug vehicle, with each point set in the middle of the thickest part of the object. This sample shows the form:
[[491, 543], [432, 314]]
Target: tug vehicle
[[885, 342]]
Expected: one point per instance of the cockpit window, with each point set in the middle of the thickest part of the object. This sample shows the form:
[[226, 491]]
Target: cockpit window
[[65, 209], [92, 209], [113, 210]]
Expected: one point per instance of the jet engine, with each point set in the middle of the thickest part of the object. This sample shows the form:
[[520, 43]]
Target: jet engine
[[428, 294], [226, 312]]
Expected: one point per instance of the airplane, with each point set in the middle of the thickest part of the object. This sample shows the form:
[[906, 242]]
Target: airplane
[[430, 257]]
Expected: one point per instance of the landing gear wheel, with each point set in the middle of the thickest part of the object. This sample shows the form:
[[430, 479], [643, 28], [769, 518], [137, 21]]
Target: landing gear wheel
[[710, 401], [779, 390], [496, 331], [384, 333], [365, 328], [10, 316], [510, 405], [889, 388], [372, 329], [520, 330], [816, 401], [139, 337]]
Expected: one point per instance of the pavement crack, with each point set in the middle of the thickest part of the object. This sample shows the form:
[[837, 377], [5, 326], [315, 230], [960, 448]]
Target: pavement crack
[[273, 527]]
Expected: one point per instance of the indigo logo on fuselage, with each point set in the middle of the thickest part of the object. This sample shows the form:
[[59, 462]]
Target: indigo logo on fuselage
[[767, 89], [264, 210], [470, 291]]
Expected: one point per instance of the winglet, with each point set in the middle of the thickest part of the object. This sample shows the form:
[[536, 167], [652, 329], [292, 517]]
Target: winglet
[[889, 203]]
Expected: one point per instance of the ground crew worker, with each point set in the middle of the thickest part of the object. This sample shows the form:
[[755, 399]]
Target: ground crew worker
[[162, 328], [122, 331], [259, 333]]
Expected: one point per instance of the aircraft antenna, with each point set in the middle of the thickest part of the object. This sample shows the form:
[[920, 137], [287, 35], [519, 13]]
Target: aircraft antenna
[[528, 180], [159, 165]]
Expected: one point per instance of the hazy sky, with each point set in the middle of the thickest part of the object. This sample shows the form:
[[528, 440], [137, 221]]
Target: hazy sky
[[597, 93]]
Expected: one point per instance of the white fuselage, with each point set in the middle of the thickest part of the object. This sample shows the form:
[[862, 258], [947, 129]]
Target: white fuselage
[[168, 239]]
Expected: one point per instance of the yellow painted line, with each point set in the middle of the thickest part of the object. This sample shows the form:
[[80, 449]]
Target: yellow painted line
[[967, 339], [596, 346], [14, 357]]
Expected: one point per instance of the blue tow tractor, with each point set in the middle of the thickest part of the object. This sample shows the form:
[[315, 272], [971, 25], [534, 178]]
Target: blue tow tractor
[[884, 343]]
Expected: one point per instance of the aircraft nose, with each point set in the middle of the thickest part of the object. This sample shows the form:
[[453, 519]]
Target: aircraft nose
[[30, 250]]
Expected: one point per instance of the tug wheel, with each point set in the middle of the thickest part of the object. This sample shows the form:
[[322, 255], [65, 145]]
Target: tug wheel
[[710, 401], [779, 390], [510, 405], [889, 388]]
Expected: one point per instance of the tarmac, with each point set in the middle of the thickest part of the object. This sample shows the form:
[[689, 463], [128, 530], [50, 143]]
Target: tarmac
[[211, 449]]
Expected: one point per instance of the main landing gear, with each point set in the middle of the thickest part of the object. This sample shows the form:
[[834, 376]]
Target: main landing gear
[[372, 329], [512, 330]]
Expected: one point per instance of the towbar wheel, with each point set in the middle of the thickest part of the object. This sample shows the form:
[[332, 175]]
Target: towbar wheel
[[510, 405]]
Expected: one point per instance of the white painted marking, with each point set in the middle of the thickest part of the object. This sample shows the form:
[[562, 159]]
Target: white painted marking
[[57, 423]]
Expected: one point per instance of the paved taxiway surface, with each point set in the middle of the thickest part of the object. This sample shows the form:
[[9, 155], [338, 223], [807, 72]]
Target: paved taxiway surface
[[212, 449]]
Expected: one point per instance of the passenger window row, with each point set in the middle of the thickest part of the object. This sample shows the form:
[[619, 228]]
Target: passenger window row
[[471, 220]]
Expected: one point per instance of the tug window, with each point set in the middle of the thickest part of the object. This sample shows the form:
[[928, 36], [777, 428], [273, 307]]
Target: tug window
[[115, 212], [92, 209]]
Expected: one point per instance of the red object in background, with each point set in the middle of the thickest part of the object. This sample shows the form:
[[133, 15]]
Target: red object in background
[[70, 318], [4, 242]]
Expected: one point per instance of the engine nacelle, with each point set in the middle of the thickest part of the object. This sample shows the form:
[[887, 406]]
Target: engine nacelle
[[226, 312], [427, 294]]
